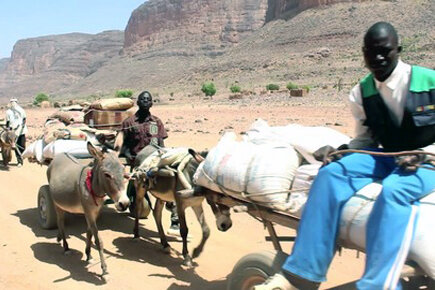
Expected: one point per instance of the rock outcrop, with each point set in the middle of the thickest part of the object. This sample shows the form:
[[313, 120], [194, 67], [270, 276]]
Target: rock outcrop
[[214, 24], [201, 23], [78, 54]]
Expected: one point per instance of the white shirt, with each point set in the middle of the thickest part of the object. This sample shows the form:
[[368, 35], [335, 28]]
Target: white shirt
[[393, 92], [15, 116]]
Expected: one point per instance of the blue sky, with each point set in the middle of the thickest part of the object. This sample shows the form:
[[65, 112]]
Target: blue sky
[[21, 19]]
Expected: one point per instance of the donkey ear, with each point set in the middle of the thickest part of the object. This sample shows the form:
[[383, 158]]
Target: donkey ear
[[94, 151]]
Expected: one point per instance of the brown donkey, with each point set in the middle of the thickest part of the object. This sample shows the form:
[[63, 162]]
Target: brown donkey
[[7, 145], [173, 185]]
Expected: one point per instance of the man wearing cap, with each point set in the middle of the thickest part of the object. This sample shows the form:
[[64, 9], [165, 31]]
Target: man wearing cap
[[16, 120]]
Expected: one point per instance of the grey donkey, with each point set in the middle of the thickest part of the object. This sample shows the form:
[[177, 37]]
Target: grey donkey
[[77, 188]]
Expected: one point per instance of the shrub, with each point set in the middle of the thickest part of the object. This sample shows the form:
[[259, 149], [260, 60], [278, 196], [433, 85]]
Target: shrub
[[124, 94], [235, 89], [307, 88], [292, 86], [208, 89], [272, 87], [40, 98]]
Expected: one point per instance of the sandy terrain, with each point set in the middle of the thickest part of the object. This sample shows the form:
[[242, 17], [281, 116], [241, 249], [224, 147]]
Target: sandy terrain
[[31, 258]]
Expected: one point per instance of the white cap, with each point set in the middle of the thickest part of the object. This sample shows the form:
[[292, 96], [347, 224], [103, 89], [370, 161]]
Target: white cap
[[13, 100]]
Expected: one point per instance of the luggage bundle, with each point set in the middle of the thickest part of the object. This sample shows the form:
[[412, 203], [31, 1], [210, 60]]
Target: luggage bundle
[[109, 113]]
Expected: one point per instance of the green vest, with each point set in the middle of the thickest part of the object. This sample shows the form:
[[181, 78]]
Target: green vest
[[417, 129]]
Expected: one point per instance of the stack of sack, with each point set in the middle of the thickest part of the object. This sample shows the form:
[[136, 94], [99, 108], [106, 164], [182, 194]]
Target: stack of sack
[[65, 132], [265, 164], [109, 113]]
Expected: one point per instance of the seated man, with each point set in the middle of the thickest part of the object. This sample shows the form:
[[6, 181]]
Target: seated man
[[393, 106]]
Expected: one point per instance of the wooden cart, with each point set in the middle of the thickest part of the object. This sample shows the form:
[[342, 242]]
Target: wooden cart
[[255, 268]]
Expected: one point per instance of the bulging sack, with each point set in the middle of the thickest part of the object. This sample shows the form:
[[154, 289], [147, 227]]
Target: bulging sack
[[76, 148], [266, 170], [305, 139], [355, 215]]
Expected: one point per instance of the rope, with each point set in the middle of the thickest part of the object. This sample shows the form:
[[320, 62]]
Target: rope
[[388, 154]]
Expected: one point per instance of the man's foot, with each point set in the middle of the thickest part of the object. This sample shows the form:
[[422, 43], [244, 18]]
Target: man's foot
[[19, 164], [276, 282], [174, 231]]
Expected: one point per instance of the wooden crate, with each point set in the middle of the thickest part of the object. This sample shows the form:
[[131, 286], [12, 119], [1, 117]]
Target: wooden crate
[[110, 120]]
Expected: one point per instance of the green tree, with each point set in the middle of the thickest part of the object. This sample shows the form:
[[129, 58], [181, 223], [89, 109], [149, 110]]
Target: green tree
[[272, 87], [124, 93], [235, 89], [292, 86], [40, 98], [209, 89]]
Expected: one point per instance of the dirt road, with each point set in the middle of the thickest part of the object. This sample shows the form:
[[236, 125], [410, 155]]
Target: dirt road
[[32, 259]]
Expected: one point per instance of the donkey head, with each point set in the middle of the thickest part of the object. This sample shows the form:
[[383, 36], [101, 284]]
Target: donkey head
[[110, 175], [222, 215], [8, 138]]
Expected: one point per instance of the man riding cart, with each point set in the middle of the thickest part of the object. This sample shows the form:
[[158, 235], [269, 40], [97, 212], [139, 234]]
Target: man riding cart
[[394, 106]]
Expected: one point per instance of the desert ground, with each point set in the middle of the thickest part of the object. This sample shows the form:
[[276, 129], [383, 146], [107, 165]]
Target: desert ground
[[32, 259]]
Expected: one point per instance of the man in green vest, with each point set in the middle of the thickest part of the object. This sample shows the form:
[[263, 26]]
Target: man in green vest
[[394, 107]]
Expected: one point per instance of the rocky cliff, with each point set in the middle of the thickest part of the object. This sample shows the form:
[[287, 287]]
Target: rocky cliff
[[212, 24], [208, 23], [175, 45], [77, 54]]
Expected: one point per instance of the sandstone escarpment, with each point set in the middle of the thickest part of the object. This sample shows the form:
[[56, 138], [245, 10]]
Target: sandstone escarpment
[[217, 24], [76, 54], [159, 22]]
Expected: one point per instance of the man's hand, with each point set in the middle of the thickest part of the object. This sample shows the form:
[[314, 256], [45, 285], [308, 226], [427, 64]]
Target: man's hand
[[323, 154], [411, 162]]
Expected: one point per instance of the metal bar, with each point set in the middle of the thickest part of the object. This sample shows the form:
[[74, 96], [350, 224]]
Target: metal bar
[[282, 239], [273, 235]]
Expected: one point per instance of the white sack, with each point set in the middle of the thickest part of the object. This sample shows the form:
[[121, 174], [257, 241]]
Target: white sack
[[76, 148], [29, 151], [302, 181], [355, 216], [249, 168], [306, 140]]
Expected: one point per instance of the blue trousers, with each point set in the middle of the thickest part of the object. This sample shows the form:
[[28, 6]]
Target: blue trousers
[[389, 228]]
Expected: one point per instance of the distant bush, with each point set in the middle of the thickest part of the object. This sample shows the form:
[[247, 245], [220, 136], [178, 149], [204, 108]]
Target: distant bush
[[40, 98], [307, 88], [292, 86], [235, 89], [272, 87], [208, 89], [124, 94]]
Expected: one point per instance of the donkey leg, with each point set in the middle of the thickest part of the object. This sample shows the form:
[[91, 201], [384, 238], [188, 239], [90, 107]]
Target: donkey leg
[[157, 212], [140, 194], [91, 220], [88, 244], [199, 212], [183, 232], [61, 229]]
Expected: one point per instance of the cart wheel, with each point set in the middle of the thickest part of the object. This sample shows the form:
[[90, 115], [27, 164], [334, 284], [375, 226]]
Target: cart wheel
[[46, 212], [254, 269], [417, 282]]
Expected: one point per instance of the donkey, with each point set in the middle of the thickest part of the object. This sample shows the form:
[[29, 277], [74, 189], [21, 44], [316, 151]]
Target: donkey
[[77, 188], [7, 144], [167, 185]]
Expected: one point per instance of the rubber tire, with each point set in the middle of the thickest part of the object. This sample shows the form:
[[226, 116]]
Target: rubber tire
[[46, 212], [254, 269]]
